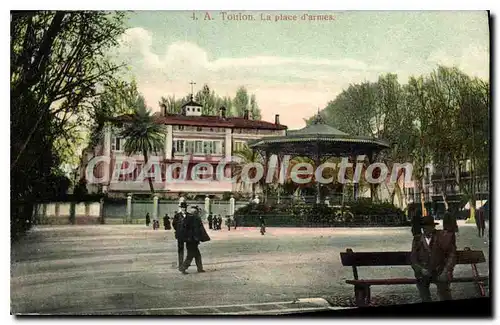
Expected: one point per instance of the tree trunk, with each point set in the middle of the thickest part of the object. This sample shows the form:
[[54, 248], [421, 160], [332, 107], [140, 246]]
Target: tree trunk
[[150, 181], [422, 197], [399, 194], [472, 201], [392, 194]]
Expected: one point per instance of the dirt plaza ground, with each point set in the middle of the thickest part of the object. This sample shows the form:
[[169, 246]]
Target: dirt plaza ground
[[119, 268]]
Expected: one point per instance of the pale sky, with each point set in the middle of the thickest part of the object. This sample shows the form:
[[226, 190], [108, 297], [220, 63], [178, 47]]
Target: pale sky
[[294, 67]]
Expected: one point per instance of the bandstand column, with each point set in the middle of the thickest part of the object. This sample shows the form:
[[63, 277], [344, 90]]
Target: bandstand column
[[317, 162], [370, 161], [266, 169]]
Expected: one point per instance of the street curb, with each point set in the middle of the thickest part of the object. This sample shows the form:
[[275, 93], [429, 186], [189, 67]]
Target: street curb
[[280, 307]]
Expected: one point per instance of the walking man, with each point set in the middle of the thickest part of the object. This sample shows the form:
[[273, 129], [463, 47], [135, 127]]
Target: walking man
[[416, 227], [433, 257], [177, 224], [210, 219], [262, 225], [450, 222], [148, 219], [228, 222], [193, 233], [166, 222]]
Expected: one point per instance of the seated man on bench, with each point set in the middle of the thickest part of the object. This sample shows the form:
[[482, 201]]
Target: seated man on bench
[[433, 256]]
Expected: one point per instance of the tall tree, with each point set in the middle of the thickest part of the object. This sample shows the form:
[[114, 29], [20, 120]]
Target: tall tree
[[58, 61], [171, 105], [254, 108], [240, 102]]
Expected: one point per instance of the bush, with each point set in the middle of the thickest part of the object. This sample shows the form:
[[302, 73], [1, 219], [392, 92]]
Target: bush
[[302, 214], [363, 207]]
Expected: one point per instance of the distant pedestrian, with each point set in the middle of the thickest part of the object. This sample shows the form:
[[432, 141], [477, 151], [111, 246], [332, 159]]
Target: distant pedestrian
[[210, 220], [450, 221], [220, 222], [236, 221], [166, 222], [228, 222], [416, 227], [480, 222], [148, 219], [156, 224], [262, 225], [192, 234]]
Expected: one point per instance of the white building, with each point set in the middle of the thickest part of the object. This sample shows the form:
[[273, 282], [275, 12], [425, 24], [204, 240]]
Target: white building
[[189, 135]]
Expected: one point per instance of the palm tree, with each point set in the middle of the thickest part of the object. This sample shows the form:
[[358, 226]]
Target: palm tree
[[143, 134], [248, 156], [298, 160]]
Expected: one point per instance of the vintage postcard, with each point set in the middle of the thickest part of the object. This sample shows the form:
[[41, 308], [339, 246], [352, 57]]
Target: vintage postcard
[[250, 162]]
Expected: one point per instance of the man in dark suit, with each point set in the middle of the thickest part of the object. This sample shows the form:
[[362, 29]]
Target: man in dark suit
[[210, 219], [177, 225], [480, 222], [433, 256], [193, 233]]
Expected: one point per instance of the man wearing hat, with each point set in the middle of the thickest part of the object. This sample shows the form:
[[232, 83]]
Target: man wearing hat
[[177, 225], [433, 257], [193, 233]]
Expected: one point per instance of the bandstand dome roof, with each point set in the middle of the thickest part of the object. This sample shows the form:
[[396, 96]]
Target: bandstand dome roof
[[320, 139]]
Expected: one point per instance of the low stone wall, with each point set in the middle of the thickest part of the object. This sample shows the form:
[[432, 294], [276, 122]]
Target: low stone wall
[[115, 211]]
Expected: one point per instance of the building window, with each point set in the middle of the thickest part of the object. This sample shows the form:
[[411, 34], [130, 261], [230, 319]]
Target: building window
[[198, 109], [199, 147], [239, 145], [189, 146], [218, 147], [207, 147], [179, 146], [117, 144], [199, 129]]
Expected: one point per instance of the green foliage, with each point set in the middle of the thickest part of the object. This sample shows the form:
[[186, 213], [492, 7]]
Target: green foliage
[[118, 97], [80, 189], [240, 102], [366, 207], [254, 108], [143, 134], [59, 59], [441, 118], [302, 214], [212, 102]]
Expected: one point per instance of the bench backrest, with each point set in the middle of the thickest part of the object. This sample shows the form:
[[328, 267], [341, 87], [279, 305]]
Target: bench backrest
[[350, 258]]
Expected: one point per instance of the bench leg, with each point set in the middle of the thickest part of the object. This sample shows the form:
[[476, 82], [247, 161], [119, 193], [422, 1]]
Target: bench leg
[[362, 295]]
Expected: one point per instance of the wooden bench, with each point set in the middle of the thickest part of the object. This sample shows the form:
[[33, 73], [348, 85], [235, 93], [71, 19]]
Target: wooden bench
[[362, 287]]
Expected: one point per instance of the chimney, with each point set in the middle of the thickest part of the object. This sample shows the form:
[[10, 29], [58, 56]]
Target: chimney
[[222, 112], [246, 115], [277, 119]]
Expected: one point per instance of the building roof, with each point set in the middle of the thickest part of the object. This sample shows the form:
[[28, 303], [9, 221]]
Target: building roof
[[319, 139], [210, 121]]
